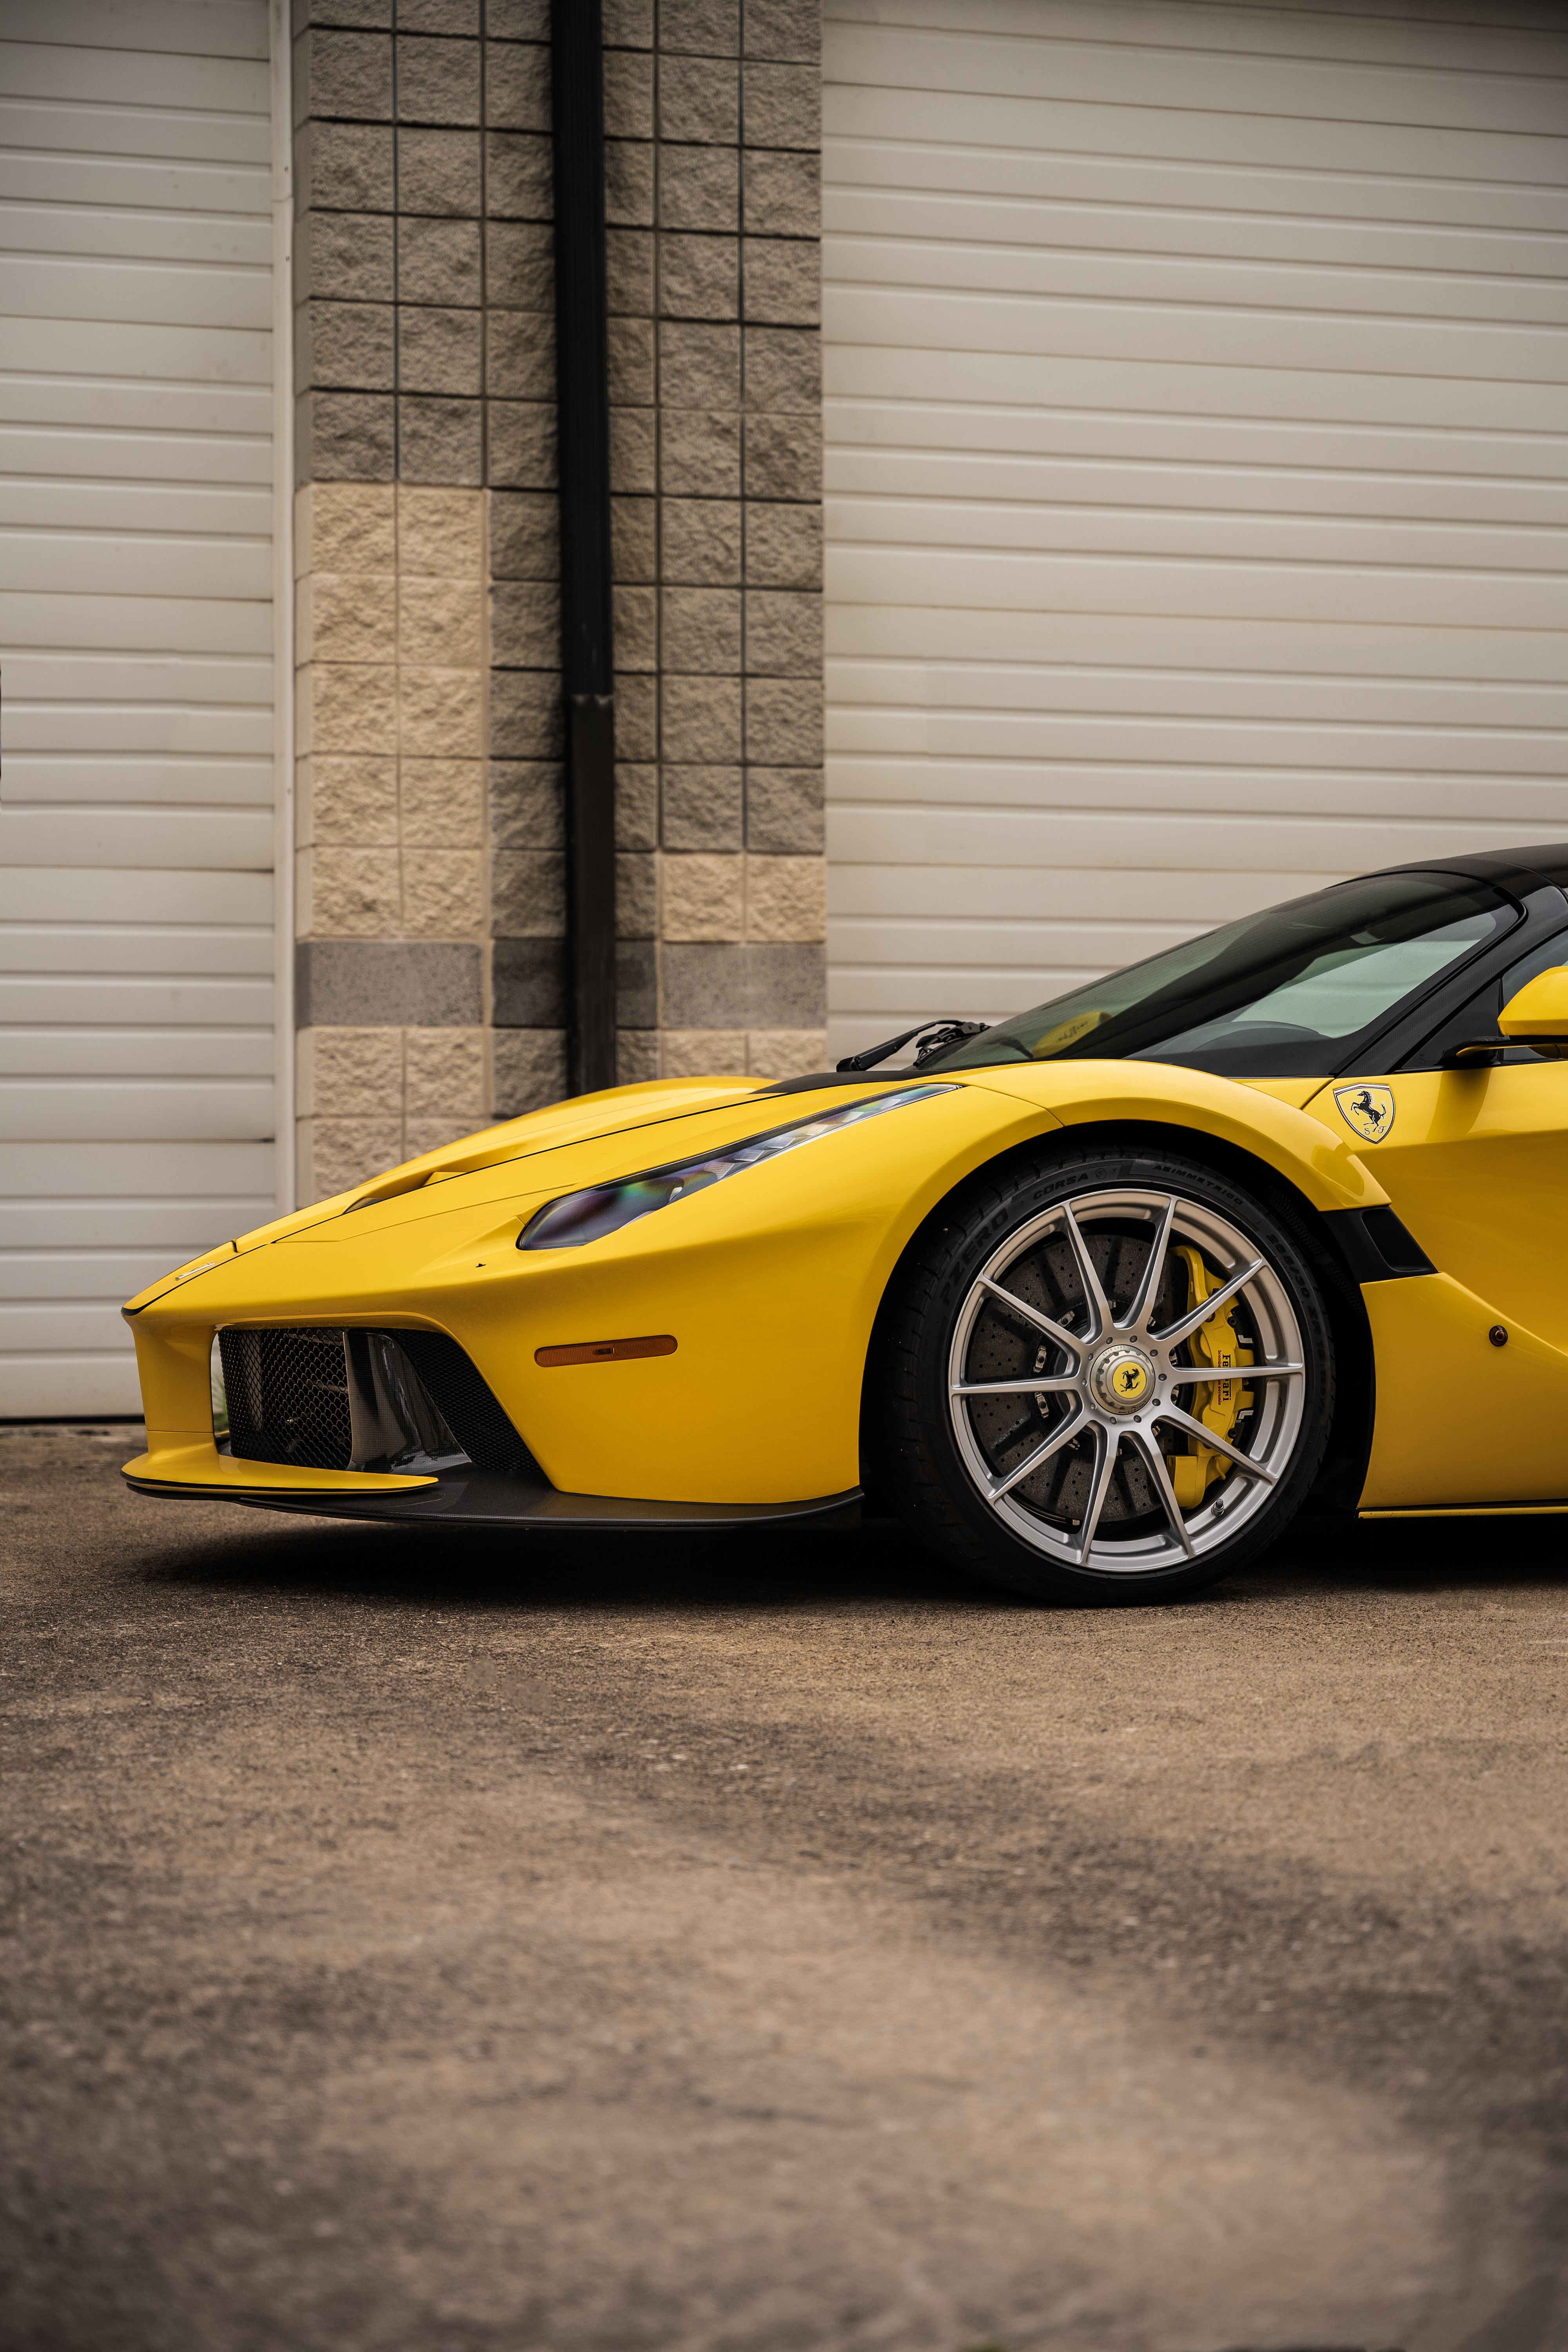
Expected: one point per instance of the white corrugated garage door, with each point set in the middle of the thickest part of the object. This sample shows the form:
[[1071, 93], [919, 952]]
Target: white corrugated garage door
[[1196, 445], [137, 793]]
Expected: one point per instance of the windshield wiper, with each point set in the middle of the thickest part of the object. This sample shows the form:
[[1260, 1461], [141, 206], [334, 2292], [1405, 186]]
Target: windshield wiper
[[945, 1033]]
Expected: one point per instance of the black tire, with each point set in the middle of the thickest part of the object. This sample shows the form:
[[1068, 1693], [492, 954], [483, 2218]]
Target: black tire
[[930, 1455]]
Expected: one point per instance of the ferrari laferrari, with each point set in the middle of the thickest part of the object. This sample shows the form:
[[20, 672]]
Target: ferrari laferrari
[[1097, 1299]]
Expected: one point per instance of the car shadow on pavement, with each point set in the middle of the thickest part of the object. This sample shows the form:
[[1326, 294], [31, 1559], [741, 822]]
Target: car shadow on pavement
[[759, 1569], [786, 1568], [1419, 1555]]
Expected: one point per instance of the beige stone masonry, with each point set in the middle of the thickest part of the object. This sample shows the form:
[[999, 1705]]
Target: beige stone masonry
[[444, 1080], [702, 1053], [529, 1068], [351, 894], [352, 1074], [345, 527], [440, 713], [391, 740], [785, 1053], [370, 1097], [758, 1053], [786, 898], [444, 894], [741, 896], [636, 895], [334, 1154], [704, 897], [347, 707], [441, 621], [441, 533], [441, 804], [636, 1057], [346, 802], [713, 205], [347, 617], [430, 879]]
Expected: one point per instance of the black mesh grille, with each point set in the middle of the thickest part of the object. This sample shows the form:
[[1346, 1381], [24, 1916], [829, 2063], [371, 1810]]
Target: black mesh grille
[[288, 1397], [289, 1400], [466, 1404]]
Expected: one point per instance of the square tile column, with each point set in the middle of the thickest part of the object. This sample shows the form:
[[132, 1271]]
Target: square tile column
[[431, 906]]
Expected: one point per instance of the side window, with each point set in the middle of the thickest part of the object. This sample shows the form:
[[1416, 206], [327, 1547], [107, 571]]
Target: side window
[[1477, 1019]]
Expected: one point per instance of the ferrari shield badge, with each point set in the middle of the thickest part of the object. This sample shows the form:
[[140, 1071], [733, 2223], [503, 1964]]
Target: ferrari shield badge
[[1368, 1109]]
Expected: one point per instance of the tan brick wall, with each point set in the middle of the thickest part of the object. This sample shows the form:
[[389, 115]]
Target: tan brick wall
[[391, 644], [752, 1053], [370, 1097], [741, 897], [712, 201], [431, 877]]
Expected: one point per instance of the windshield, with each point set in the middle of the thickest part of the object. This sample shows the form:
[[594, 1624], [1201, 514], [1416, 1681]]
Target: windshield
[[1283, 994]]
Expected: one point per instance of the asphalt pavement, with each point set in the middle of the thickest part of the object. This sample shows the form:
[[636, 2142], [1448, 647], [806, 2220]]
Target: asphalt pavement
[[428, 1943]]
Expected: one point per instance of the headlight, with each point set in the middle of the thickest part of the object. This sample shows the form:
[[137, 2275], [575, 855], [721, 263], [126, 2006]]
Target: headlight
[[604, 1209]]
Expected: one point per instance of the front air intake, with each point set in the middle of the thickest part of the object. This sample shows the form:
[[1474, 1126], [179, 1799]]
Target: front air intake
[[465, 1404], [288, 1397], [337, 1400]]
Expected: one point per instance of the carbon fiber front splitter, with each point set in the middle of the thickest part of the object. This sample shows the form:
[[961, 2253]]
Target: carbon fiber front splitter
[[479, 1498]]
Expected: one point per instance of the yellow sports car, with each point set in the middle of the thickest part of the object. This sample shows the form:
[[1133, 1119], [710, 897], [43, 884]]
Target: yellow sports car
[[1097, 1299]]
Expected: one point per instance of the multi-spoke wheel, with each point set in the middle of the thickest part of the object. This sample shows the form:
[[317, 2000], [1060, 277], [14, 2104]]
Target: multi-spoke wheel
[[1110, 1374]]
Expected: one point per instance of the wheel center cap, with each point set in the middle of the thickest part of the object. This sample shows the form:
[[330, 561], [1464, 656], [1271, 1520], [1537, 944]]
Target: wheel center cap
[[1122, 1378]]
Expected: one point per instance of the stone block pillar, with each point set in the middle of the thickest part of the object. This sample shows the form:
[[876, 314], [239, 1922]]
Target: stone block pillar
[[391, 885], [430, 883], [714, 203]]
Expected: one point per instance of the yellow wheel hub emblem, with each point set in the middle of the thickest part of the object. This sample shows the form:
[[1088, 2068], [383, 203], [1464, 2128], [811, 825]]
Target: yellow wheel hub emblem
[[1123, 1380]]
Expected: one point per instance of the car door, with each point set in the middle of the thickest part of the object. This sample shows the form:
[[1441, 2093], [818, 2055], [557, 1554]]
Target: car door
[[1472, 1369], [1475, 1158]]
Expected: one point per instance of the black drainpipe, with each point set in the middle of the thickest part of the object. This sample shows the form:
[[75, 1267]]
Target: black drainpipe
[[587, 644]]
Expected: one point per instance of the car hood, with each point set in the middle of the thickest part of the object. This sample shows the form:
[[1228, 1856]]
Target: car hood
[[629, 1111], [618, 1110], [604, 1138]]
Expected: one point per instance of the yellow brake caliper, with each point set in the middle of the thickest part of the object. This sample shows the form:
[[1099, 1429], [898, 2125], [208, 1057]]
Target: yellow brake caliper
[[1217, 1404]]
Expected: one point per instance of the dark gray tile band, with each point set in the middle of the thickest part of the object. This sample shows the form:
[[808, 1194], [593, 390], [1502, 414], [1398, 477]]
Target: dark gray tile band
[[387, 984], [712, 985], [636, 985], [528, 984]]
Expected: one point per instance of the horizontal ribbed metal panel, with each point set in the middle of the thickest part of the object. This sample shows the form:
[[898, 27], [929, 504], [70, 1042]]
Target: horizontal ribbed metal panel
[[136, 802], [1196, 471]]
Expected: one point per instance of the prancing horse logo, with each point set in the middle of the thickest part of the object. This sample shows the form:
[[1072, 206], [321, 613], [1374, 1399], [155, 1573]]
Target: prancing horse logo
[[1368, 1110], [1130, 1379]]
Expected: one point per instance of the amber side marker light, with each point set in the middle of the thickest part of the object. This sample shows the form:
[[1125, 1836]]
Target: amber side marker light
[[606, 1351]]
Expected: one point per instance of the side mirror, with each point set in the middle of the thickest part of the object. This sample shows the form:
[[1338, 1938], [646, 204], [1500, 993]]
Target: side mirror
[[1538, 1015]]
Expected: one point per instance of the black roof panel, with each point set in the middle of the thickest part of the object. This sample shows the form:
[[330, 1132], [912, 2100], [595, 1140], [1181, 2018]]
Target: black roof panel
[[1522, 869]]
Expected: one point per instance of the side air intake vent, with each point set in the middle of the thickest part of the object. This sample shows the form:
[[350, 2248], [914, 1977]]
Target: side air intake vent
[[1394, 1242], [1376, 1245], [334, 1400]]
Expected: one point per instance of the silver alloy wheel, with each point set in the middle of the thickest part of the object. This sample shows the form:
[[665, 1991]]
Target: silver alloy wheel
[[1114, 1384]]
